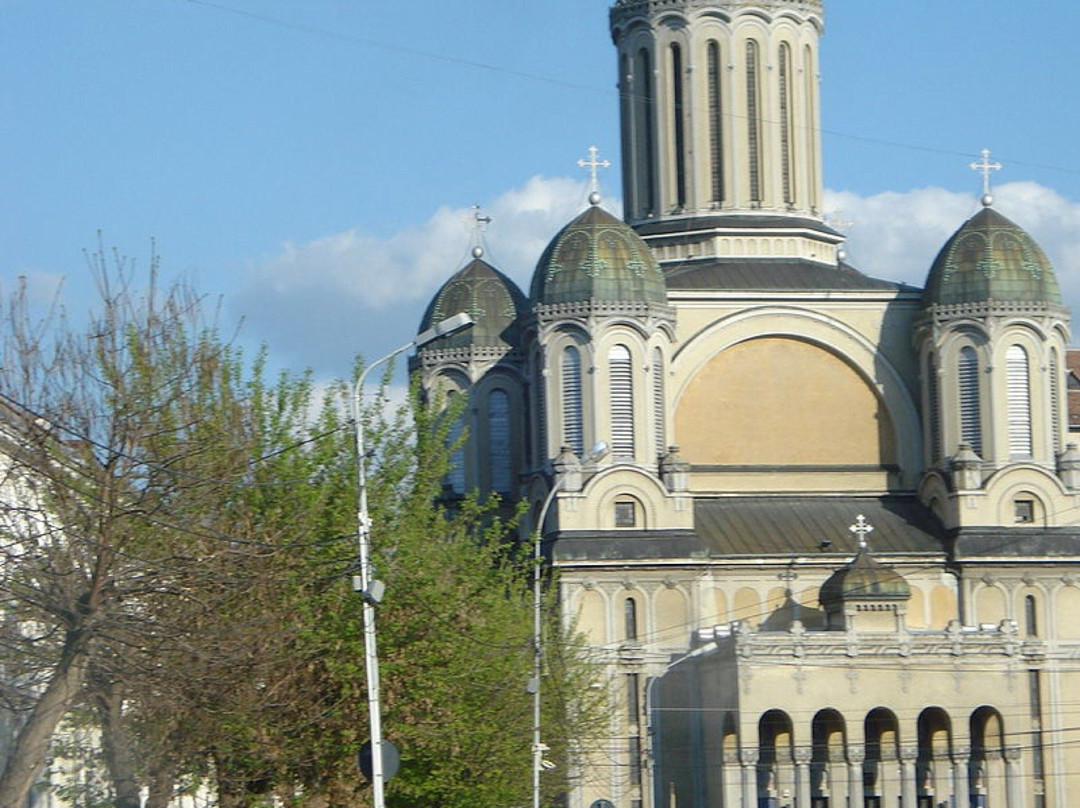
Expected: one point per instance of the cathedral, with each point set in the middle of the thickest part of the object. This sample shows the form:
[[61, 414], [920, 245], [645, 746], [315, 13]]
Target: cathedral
[[818, 530]]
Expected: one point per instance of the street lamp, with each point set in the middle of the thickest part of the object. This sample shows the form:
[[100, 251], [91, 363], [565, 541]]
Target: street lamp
[[370, 590], [599, 449]]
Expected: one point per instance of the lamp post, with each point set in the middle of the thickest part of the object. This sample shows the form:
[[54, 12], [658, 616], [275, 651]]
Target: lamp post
[[599, 449], [370, 590]]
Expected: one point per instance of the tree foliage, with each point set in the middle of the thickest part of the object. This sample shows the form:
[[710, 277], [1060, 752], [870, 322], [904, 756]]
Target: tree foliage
[[176, 548]]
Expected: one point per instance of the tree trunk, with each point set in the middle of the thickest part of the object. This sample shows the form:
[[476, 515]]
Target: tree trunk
[[32, 740], [160, 791], [116, 743]]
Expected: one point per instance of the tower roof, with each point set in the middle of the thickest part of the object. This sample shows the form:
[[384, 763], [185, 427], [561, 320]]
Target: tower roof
[[991, 258], [865, 578], [597, 258], [489, 297]]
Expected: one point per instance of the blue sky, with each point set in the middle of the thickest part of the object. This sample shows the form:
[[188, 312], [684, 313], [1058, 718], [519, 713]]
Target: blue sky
[[312, 160]]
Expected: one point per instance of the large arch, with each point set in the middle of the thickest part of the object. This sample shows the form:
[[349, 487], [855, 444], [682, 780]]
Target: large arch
[[829, 334]]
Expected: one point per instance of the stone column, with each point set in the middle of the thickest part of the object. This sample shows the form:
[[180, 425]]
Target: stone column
[[961, 787], [855, 757], [730, 775], [748, 759], [803, 756], [908, 786], [1014, 777]]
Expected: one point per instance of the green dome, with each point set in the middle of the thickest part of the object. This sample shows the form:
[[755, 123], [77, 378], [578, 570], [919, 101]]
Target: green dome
[[493, 301], [865, 578], [991, 258], [598, 258]]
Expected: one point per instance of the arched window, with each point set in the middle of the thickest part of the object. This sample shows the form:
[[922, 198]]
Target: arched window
[[1018, 398], [499, 457], [1031, 616], [934, 405], [455, 479], [620, 371], [659, 432], [753, 120], [968, 380], [716, 123], [630, 619], [646, 159], [1055, 399], [573, 421], [677, 133], [810, 78], [787, 126]]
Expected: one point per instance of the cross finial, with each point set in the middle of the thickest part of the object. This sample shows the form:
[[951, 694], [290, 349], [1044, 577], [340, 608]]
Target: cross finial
[[986, 167], [478, 221], [594, 179], [861, 528]]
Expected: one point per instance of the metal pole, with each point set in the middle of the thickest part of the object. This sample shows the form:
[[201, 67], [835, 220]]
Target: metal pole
[[363, 521], [538, 748]]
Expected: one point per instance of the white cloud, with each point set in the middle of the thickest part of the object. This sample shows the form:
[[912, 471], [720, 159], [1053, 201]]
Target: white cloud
[[897, 235], [317, 304]]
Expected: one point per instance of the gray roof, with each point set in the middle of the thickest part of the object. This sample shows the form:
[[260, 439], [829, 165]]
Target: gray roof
[[767, 526], [754, 526], [770, 275], [733, 222]]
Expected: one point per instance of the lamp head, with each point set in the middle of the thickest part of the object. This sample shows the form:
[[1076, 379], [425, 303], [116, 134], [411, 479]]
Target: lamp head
[[597, 452], [443, 328]]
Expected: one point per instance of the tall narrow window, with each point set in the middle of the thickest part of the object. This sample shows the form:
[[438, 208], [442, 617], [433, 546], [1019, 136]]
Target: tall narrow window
[[677, 134], [1018, 398], [787, 128], [573, 427], [499, 441], [1031, 617], [934, 405], [716, 124], [1055, 399], [620, 371], [753, 120], [633, 694], [970, 416], [455, 479], [630, 619], [646, 160], [810, 79], [659, 414]]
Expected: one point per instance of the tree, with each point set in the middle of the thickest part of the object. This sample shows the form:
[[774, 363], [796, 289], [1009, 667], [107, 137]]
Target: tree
[[177, 553]]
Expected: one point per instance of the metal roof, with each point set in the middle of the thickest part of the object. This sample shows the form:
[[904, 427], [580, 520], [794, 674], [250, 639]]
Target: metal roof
[[755, 526], [770, 275]]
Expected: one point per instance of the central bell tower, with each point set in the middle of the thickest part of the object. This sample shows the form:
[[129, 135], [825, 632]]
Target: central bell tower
[[721, 124]]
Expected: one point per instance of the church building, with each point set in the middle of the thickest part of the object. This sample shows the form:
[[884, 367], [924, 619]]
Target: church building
[[829, 557]]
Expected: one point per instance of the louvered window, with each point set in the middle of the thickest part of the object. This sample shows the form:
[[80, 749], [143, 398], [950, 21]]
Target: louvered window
[[573, 421], [658, 403], [677, 133], [499, 441], [970, 416], [787, 128], [934, 404], [1055, 399], [456, 477], [646, 162], [753, 122], [716, 128], [1018, 396], [622, 402]]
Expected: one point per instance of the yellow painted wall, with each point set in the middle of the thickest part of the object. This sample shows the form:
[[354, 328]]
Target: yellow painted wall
[[780, 401]]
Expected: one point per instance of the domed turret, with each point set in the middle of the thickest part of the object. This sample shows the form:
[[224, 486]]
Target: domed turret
[[598, 258], [864, 579], [991, 258], [489, 297]]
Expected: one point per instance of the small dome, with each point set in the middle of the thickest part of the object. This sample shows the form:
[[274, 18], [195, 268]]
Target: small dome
[[991, 258], [865, 578], [489, 297], [598, 258]]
